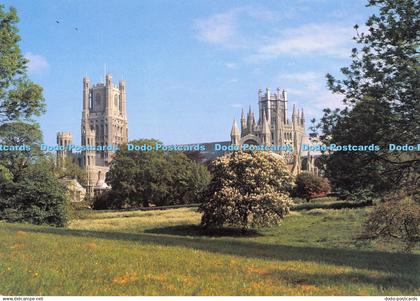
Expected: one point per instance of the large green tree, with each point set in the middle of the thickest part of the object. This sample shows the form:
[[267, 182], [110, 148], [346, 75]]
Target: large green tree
[[141, 178], [380, 90], [29, 191], [38, 197], [20, 98], [24, 136]]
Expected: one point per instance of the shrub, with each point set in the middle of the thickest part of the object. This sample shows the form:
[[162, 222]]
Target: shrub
[[309, 186], [37, 197], [107, 200], [398, 218], [247, 189]]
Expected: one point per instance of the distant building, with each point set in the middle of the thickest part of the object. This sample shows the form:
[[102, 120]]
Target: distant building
[[75, 191]]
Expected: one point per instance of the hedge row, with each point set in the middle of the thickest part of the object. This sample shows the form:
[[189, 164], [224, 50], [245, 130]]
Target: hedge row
[[297, 207], [336, 205]]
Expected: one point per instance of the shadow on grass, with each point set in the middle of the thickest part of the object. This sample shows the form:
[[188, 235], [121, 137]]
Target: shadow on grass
[[195, 230], [350, 278], [403, 266]]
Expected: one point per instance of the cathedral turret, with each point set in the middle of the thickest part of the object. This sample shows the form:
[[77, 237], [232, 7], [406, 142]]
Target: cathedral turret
[[122, 98], [285, 105], [108, 95], [250, 121], [268, 107], [265, 131], [87, 103], [234, 134], [86, 100], [64, 139], [243, 122], [302, 118]]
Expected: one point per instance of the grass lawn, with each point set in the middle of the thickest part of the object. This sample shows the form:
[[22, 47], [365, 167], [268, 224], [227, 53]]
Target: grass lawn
[[165, 253]]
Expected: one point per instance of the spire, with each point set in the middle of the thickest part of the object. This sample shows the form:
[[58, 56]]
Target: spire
[[294, 111], [234, 134], [250, 121], [302, 117], [235, 131], [243, 122]]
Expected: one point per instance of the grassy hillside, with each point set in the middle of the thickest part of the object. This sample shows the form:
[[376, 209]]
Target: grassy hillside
[[165, 253]]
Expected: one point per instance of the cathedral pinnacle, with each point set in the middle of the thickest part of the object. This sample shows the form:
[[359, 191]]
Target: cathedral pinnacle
[[235, 131]]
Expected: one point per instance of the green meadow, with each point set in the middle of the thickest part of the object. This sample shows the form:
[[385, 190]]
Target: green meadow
[[164, 252]]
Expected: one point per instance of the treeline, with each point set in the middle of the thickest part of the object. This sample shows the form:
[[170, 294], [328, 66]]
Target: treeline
[[157, 178]]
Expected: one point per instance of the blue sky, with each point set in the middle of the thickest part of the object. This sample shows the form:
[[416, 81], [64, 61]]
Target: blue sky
[[190, 66]]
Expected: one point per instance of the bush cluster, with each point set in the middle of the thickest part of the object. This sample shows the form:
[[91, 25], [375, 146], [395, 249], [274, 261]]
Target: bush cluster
[[248, 189], [140, 179], [395, 218], [309, 186], [36, 197]]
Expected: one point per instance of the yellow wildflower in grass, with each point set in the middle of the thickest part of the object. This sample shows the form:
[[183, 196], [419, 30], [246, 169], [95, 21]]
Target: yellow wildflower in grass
[[255, 270], [17, 246], [308, 289], [157, 277], [21, 233], [187, 280], [92, 246], [125, 279]]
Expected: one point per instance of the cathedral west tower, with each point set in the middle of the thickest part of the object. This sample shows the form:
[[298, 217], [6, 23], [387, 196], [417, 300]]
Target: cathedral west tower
[[104, 122]]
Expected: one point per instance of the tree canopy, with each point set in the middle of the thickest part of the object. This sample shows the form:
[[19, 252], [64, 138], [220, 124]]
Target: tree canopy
[[20, 98], [380, 92], [141, 178]]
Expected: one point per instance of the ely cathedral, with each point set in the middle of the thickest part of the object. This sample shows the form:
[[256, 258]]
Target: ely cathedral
[[273, 126], [104, 123]]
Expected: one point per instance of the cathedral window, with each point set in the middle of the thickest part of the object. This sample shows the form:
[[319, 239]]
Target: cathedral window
[[90, 100], [116, 104], [98, 99]]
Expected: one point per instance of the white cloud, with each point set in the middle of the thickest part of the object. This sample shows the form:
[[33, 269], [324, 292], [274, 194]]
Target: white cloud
[[314, 39], [302, 77], [294, 91], [310, 91], [224, 28], [236, 105], [218, 29], [232, 81], [37, 63], [231, 65], [231, 29]]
